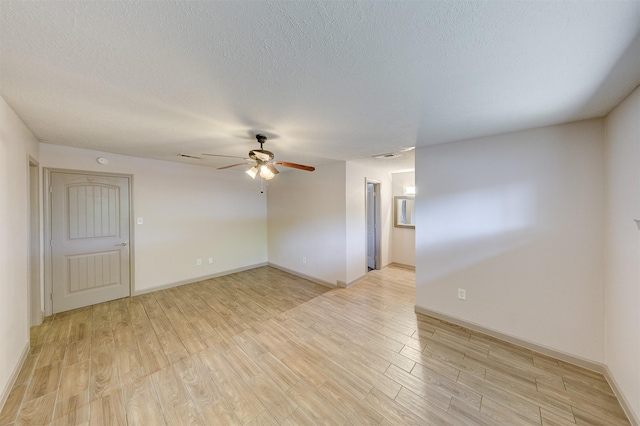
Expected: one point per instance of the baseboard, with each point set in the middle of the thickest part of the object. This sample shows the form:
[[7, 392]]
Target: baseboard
[[198, 279], [626, 407], [38, 320], [306, 277], [350, 283], [14, 376], [403, 266], [393, 264], [571, 359]]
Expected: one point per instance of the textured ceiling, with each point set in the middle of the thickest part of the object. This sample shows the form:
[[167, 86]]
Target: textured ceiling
[[328, 80]]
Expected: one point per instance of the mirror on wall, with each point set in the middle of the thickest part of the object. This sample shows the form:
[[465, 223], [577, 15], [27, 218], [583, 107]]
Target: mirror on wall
[[404, 212]]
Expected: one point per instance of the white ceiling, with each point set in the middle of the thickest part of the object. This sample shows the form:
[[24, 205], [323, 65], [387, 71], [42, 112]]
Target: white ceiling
[[327, 80]]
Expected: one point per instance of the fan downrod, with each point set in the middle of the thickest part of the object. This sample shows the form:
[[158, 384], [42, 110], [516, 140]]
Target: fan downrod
[[261, 139]]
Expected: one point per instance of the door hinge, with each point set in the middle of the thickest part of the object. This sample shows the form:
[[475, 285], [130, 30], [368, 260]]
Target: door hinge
[[51, 296]]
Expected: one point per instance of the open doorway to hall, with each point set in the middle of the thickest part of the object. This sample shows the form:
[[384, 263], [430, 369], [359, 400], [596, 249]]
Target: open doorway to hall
[[373, 224], [403, 234]]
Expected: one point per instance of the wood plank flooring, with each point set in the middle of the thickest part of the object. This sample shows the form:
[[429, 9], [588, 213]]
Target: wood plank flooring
[[263, 347]]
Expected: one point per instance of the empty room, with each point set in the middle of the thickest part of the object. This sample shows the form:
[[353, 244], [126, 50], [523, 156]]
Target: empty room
[[320, 212]]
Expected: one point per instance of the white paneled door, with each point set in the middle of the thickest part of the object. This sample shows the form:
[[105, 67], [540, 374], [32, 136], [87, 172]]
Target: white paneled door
[[89, 239]]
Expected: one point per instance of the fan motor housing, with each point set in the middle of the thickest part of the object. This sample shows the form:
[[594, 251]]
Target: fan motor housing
[[261, 154]]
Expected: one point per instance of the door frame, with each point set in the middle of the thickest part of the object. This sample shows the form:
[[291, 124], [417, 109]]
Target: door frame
[[48, 265], [34, 306], [377, 220]]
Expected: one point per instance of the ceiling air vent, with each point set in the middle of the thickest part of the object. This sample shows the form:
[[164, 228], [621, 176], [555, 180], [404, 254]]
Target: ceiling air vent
[[387, 155]]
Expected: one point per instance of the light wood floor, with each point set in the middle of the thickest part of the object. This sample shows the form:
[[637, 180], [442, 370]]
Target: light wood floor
[[263, 347]]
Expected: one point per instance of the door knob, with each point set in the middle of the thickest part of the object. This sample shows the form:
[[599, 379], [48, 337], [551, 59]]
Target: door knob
[[122, 244]]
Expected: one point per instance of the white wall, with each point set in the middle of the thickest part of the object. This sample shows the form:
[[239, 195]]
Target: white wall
[[356, 236], [622, 171], [16, 144], [517, 220], [189, 212], [321, 216], [306, 218], [403, 239]]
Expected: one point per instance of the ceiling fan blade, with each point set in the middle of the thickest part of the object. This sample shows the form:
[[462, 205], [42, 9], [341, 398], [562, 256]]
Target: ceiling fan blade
[[272, 168], [295, 166], [233, 165], [189, 156], [226, 156]]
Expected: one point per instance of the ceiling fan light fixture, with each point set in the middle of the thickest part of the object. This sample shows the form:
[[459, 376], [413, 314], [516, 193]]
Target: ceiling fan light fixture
[[252, 172], [265, 173], [264, 164]]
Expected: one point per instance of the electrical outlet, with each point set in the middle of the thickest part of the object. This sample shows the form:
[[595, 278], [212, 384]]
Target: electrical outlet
[[304, 259], [210, 260], [198, 262], [462, 294]]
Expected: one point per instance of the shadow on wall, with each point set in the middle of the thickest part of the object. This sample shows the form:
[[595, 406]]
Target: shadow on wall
[[500, 220]]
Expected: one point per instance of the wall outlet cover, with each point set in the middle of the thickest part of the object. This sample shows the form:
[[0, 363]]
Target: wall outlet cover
[[462, 294]]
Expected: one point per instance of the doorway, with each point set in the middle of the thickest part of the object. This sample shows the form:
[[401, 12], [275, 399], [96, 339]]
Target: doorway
[[89, 239], [373, 224]]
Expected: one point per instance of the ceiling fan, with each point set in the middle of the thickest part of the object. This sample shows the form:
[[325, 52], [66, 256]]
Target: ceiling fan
[[264, 164]]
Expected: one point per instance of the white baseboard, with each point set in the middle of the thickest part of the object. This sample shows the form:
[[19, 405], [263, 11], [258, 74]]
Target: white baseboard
[[392, 264], [402, 265], [14, 375], [624, 403], [306, 277], [571, 359], [198, 279], [38, 319], [350, 283]]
